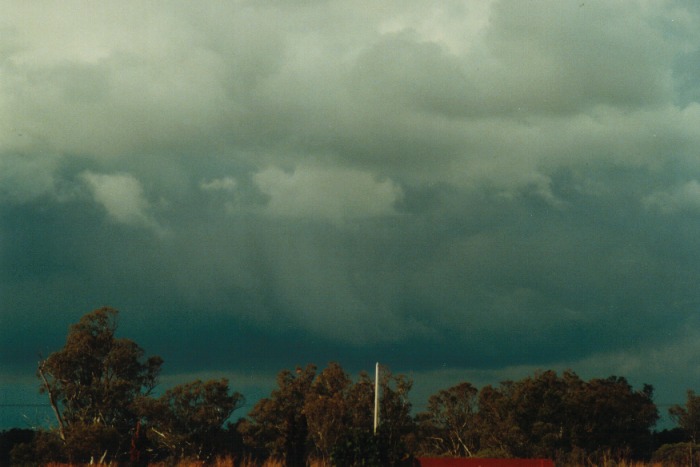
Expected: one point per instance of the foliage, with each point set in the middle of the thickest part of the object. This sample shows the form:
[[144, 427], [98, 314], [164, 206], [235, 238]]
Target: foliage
[[326, 416], [357, 448], [328, 413], [688, 417], [611, 416], [43, 448], [10, 439], [394, 438], [396, 425], [100, 388], [277, 425], [449, 426], [92, 383], [560, 417], [499, 430], [551, 416], [547, 415], [188, 419]]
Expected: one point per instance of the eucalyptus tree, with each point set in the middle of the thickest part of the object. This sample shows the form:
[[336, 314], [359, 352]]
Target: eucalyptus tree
[[92, 384], [327, 409], [277, 425], [187, 421], [688, 416], [329, 417], [449, 426], [566, 418]]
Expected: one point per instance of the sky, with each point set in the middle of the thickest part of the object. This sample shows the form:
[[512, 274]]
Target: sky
[[460, 190]]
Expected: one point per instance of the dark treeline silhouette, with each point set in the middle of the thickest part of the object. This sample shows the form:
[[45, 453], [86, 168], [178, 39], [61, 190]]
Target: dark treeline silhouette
[[100, 390]]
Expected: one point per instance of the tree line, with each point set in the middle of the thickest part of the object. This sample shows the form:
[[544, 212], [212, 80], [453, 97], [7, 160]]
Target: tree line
[[101, 391]]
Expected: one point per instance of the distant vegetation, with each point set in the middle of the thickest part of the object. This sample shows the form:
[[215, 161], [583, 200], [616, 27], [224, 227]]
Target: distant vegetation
[[100, 389]]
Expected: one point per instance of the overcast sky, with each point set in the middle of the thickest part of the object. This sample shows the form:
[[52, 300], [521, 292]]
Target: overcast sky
[[461, 190]]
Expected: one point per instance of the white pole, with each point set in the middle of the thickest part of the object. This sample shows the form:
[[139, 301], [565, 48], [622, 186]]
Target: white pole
[[376, 398]]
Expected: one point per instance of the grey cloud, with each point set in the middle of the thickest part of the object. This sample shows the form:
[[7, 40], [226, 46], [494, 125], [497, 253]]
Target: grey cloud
[[25, 177], [570, 56], [491, 188], [685, 73]]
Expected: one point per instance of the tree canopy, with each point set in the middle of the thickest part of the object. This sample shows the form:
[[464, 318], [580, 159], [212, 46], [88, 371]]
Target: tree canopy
[[327, 416], [93, 382], [101, 388], [186, 421], [545, 415]]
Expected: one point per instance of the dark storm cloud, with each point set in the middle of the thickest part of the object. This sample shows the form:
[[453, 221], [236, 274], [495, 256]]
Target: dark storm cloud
[[461, 190]]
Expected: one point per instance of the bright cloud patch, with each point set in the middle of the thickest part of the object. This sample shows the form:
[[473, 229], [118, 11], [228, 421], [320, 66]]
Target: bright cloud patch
[[334, 194], [219, 184], [684, 197], [122, 197]]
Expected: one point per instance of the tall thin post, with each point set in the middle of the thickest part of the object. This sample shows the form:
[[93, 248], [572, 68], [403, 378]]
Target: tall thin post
[[376, 398]]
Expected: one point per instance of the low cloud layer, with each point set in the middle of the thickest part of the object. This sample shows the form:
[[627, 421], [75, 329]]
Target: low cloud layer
[[458, 189]]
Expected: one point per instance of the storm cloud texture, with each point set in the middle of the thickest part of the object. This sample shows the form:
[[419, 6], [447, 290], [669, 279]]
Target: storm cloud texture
[[462, 190]]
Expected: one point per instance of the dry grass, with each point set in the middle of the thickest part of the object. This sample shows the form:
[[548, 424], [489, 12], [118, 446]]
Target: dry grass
[[230, 462], [218, 462]]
